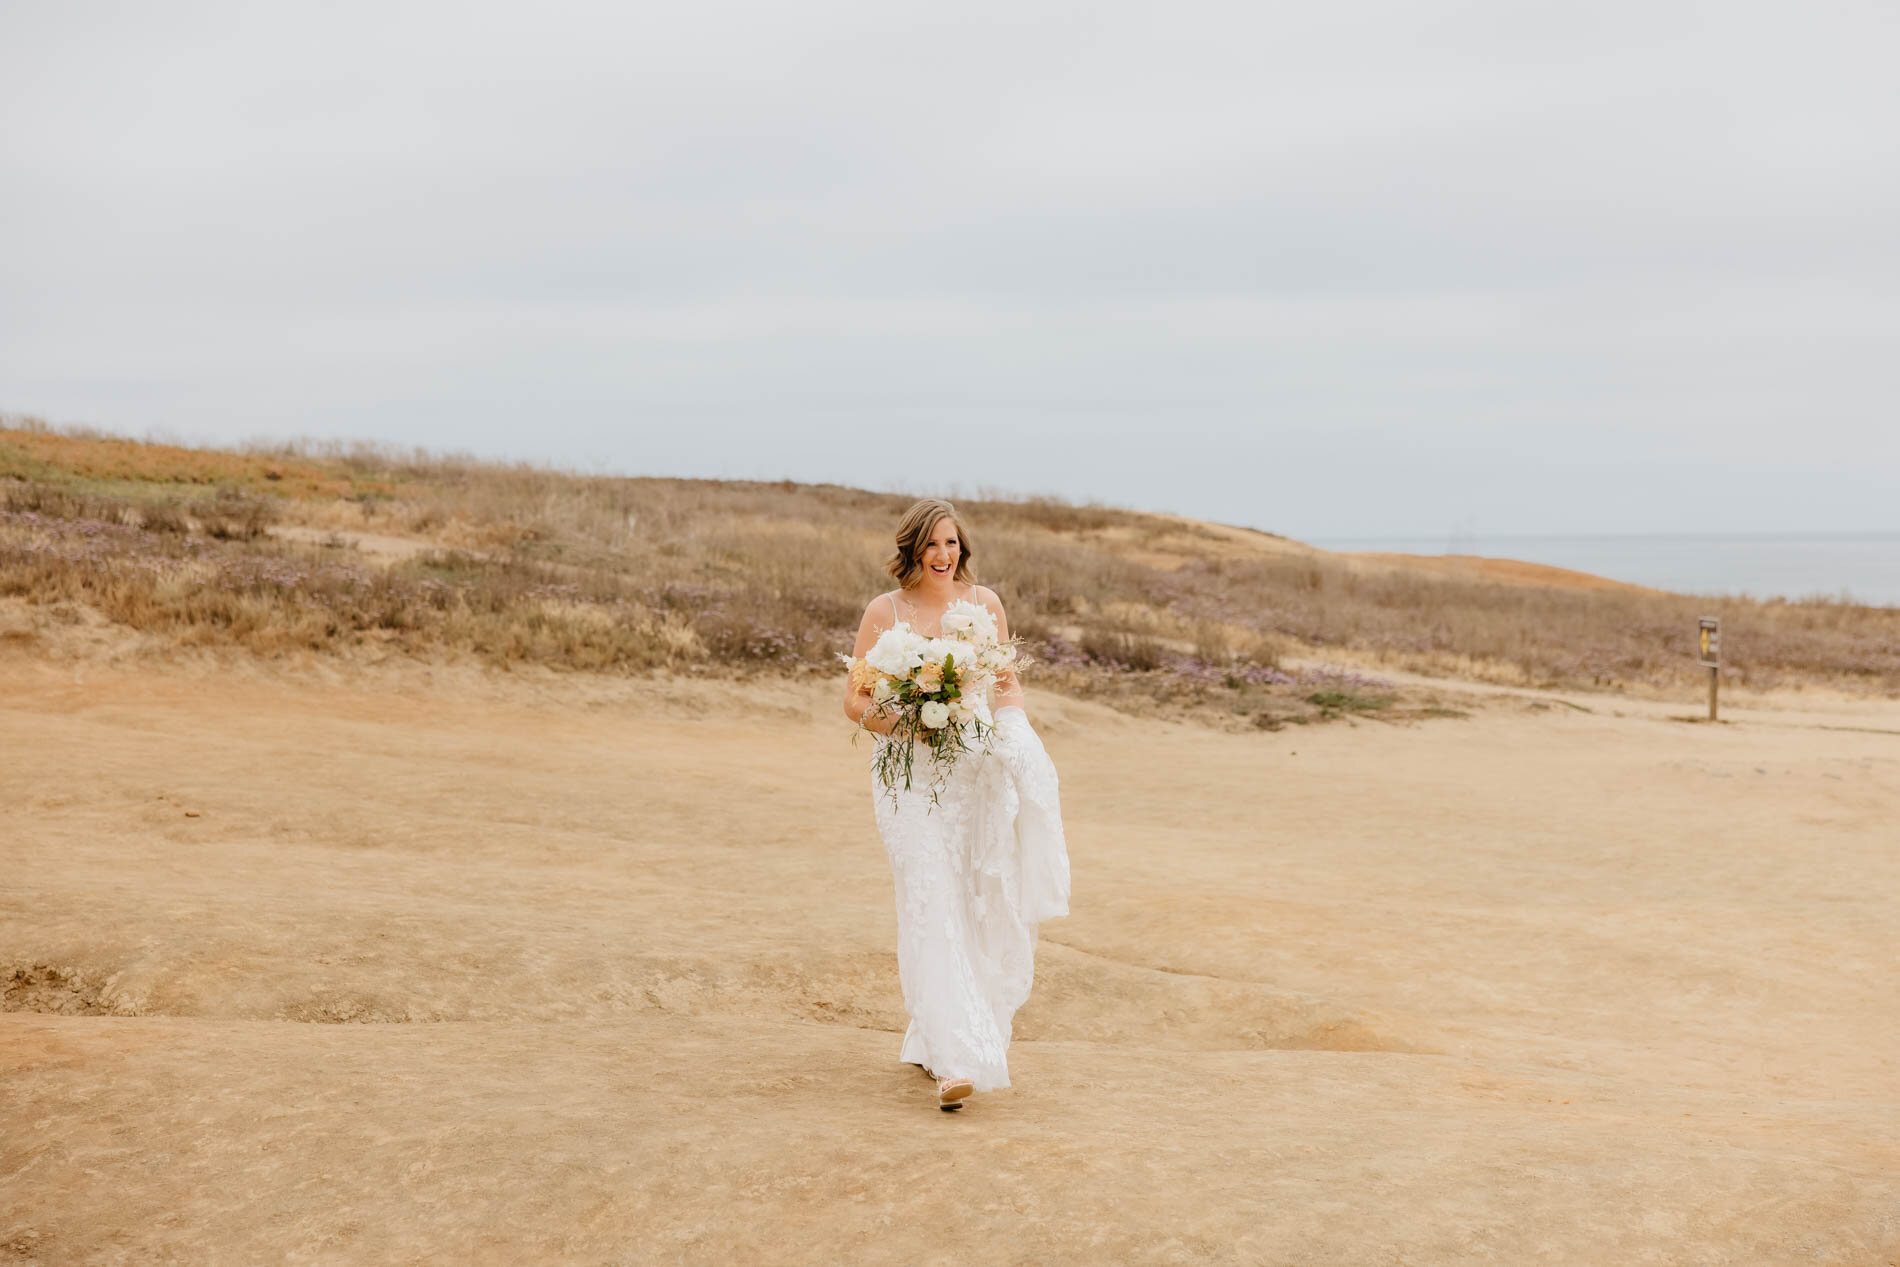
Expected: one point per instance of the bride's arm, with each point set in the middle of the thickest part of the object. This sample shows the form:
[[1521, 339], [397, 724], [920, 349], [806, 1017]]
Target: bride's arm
[[1009, 690], [858, 702]]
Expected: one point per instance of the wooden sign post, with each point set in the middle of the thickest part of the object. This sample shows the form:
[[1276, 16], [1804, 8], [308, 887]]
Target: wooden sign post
[[1710, 638]]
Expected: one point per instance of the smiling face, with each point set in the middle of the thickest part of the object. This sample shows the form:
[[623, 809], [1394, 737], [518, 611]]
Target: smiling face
[[942, 550], [932, 548]]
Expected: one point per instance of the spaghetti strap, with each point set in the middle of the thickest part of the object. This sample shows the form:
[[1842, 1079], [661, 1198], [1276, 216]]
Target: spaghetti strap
[[894, 615]]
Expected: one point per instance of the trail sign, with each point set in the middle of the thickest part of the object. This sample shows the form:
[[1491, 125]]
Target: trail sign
[[1709, 635]]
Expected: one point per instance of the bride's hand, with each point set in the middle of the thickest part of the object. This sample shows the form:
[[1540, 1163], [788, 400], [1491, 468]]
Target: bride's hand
[[875, 719]]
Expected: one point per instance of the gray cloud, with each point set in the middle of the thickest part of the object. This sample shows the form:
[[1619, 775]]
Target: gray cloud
[[1356, 269]]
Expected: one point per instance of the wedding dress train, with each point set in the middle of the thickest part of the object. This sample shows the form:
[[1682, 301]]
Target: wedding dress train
[[975, 874]]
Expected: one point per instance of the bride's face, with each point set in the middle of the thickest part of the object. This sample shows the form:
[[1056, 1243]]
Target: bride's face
[[942, 550]]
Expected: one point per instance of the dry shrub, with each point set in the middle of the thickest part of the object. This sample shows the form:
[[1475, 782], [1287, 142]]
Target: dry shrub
[[234, 516], [1231, 645], [1118, 649], [1047, 513], [612, 573], [163, 516], [62, 503]]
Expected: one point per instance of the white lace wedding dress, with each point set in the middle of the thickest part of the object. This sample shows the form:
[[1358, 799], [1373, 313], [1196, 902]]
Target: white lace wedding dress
[[975, 874]]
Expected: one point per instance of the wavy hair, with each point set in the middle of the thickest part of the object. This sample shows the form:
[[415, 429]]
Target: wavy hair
[[913, 533]]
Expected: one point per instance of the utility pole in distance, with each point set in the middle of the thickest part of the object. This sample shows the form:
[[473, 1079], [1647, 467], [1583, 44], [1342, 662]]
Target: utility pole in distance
[[1710, 638]]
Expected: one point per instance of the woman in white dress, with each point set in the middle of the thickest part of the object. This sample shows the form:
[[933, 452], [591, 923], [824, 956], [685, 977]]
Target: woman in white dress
[[978, 870]]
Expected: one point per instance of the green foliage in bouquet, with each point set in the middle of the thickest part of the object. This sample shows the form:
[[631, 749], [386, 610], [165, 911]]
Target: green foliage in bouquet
[[911, 705]]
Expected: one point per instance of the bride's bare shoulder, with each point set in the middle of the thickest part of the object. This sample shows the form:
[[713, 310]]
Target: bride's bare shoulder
[[881, 612], [987, 596], [878, 616]]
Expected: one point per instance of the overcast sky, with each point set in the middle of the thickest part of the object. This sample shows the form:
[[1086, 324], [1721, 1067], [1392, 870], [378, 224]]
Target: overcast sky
[[1334, 270]]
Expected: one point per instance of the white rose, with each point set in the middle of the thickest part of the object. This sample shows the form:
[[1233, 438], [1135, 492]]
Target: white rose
[[897, 651], [936, 715]]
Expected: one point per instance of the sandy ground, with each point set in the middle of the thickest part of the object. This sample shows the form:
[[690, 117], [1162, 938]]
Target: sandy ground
[[399, 965]]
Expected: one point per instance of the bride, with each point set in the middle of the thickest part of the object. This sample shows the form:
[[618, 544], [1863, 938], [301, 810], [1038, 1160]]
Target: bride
[[979, 869]]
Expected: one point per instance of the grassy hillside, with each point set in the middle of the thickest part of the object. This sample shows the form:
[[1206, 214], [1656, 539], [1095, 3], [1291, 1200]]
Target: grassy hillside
[[334, 551]]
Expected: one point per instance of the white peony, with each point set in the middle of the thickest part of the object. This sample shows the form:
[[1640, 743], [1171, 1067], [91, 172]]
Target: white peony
[[935, 714], [971, 622], [958, 620], [897, 651], [962, 654]]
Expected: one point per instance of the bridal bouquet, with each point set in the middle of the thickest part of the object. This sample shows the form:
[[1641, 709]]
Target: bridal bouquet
[[935, 688]]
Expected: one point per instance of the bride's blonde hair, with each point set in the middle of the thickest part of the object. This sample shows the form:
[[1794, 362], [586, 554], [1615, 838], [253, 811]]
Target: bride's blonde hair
[[913, 533]]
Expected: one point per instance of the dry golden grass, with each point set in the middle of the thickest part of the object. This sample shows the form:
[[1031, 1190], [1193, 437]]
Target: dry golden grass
[[328, 550], [33, 451]]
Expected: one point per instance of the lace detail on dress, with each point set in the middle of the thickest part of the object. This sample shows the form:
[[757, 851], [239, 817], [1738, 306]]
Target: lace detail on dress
[[974, 876]]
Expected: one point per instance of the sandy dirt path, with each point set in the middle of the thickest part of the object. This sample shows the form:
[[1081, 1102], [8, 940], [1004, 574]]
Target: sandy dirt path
[[409, 966]]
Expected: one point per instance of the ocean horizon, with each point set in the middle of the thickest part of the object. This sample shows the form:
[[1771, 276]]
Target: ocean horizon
[[1862, 568]]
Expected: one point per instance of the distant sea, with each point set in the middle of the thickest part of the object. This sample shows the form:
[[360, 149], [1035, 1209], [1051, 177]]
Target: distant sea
[[1863, 567]]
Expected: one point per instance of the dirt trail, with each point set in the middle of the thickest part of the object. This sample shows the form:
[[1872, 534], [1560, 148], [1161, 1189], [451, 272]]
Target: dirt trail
[[1537, 986]]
